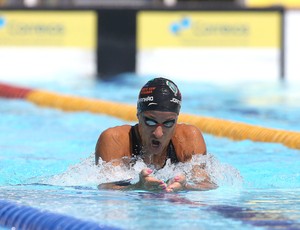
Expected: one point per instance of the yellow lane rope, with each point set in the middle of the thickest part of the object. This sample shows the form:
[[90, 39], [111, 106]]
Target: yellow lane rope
[[214, 126], [72, 103]]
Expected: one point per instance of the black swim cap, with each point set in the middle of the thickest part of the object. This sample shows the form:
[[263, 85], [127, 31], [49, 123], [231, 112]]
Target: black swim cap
[[159, 94]]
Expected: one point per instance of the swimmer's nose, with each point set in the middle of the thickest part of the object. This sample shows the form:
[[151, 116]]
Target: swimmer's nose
[[158, 132]]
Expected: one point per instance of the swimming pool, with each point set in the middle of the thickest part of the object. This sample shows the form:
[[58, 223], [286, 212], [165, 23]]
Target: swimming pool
[[47, 161]]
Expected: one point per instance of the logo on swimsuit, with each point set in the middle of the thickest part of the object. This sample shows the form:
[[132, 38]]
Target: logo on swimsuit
[[145, 99], [174, 100]]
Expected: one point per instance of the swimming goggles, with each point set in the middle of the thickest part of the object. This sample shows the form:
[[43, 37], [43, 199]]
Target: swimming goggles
[[151, 122]]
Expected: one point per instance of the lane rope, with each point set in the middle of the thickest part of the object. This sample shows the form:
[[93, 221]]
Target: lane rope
[[219, 127], [16, 216]]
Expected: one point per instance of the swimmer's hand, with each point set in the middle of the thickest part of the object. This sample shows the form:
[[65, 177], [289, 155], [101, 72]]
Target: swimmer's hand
[[149, 182], [146, 182], [179, 183], [176, 184]]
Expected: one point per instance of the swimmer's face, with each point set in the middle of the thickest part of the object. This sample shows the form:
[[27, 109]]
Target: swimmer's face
[[156, 129]]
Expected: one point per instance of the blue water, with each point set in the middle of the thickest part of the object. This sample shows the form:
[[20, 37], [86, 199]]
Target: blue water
[[46, 159]]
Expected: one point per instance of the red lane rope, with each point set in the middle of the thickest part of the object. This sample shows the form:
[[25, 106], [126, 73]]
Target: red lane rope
[[10, 91]]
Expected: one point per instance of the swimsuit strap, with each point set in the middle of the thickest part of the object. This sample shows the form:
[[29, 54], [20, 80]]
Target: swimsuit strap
[[171, 154], [136, 147]]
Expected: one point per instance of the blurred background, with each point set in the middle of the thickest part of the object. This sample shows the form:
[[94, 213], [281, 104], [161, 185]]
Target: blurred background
[[198, 40]]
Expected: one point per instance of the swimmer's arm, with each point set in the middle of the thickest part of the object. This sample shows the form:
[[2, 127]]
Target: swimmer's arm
[[202, 186], [146, 182], [179, 185], [203, 182], [118, 185], [124, 185]]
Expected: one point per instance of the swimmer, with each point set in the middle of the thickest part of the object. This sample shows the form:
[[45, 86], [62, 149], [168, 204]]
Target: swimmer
[[156, 138]]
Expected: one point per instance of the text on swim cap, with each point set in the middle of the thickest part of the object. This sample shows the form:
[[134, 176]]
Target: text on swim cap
[[175, 100], [145, 99], [147, 90]]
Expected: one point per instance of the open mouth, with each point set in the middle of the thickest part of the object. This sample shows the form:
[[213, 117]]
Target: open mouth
[[155, 143]]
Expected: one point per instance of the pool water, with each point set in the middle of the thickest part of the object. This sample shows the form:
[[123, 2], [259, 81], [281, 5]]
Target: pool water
[[47, 160]]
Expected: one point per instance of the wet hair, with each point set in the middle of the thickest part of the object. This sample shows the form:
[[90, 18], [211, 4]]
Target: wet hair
[[159, 94]]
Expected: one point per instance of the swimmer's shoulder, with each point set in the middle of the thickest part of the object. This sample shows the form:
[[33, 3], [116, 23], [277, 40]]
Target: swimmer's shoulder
[[188, 140], [116, 134], [114, 143], [117, 130], [187, 131]]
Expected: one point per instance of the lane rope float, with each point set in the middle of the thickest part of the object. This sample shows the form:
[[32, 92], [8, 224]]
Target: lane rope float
[[219, 127], [16, 216]]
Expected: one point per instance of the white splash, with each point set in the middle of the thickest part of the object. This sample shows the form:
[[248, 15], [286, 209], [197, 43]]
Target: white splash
[[86, 173]]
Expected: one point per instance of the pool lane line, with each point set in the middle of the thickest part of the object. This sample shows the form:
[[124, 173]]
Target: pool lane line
[[256, 218], [237, 131], [14, 216]]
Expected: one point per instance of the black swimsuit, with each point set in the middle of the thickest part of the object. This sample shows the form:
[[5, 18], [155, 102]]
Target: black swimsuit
[[136, 147]]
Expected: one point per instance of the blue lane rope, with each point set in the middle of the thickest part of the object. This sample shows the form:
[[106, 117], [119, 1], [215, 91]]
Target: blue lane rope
[[25, 217]]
